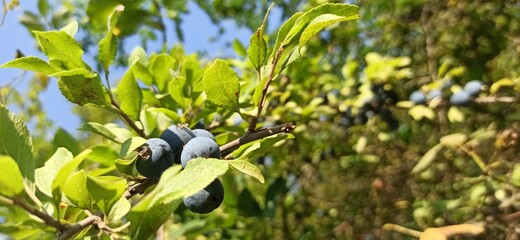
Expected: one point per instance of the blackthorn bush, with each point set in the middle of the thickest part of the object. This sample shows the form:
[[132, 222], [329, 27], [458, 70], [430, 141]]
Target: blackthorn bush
[[155, 159]]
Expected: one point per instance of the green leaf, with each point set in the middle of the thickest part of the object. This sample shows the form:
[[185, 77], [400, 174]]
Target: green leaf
[[325, 20], [119, 209], [63, 139], [108, 45], [149, 214], [126, 166], [130, 145], [45, 175], [130, 95], [100, 130], [72, 72], [247, 168], [427, 159], [338, 9], [284, 30], [239, 48], [16, 142], [257, 95], [161, 67], [83, 90], [257, 50], [61, 49], [30, 64], [71, 28], [75, 189], [180, 91], [63, 174], [11, 181], [43, 7], [103, 155], [515, 175], [221, 85], [106, 190], [419, 112]]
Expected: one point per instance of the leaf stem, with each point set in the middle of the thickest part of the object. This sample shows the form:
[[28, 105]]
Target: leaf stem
[[127, 119], [270, 77]]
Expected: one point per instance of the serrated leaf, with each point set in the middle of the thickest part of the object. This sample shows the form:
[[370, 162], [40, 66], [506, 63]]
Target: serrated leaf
[[248, 149], [100, 130], [221, 85], [11, 181], [180, 91], [322, 21], [83, 90], [107, 50], [284, 30], [161, 67], [257, 50], [63, 174], [149, 214], [174, 116], [247, 168], [119, 210], [106, 190], [103, 155], [16, 142], [130, 95], [125, 166], [138, 55], [72, 72], [75, 189], [45, 175], [61, 49], [130, 145], [338, 9], [71, 28], [426, 159], [31, 64]]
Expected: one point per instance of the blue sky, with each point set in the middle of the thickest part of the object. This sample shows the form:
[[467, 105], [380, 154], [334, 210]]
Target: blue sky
[[14, 36]]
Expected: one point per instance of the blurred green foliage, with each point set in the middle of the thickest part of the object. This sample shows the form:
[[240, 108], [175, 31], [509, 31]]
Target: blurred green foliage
[[362, 155]]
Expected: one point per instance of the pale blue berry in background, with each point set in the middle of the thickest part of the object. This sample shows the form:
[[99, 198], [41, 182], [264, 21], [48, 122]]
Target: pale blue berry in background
[[434, 93], [418, 97], [460, 98], [473, 88]]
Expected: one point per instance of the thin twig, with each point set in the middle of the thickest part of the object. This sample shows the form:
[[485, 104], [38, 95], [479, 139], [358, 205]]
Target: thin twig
[[270, 77], [71, 230], [161, 23], [49, 220], [252, 136], [401, 229], [139, 187], [128, 120]]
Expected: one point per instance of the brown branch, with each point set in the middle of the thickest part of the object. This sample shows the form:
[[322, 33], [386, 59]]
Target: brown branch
[[127, 119], [48, 219], [139, 187], [252, 136], [71, 230]]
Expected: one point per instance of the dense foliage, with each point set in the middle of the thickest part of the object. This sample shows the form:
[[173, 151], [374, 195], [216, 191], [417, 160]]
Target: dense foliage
[[401, 121]]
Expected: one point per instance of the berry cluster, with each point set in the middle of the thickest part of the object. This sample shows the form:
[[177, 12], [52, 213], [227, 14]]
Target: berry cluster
[[459, 98], [378, 103], [178, 145]]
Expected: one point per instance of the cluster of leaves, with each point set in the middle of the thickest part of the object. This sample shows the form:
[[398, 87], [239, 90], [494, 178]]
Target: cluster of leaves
[[90, 192]]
